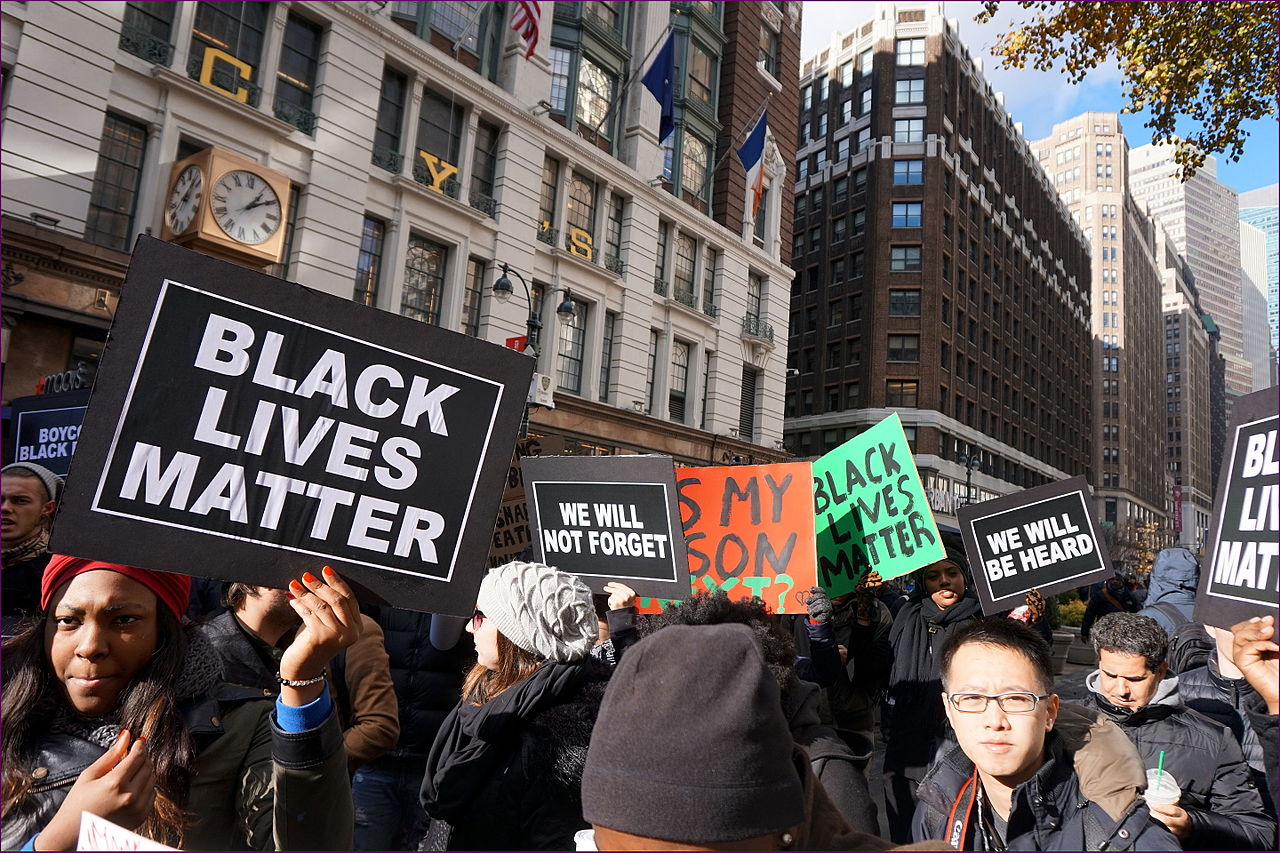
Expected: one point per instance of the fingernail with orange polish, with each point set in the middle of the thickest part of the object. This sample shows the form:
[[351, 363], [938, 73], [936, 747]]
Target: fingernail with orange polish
[[310, 578]]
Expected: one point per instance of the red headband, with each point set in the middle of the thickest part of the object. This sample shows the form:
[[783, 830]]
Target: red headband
[[172, 590]]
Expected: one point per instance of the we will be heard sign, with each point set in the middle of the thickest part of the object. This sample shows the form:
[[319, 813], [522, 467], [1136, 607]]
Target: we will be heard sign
[[250, 429]]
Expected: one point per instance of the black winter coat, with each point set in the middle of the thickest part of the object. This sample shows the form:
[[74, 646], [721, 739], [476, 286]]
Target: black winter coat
[[1048, 813], [1226, 701], [1218, 792], [835, 765], [507, 775], [428, 681]]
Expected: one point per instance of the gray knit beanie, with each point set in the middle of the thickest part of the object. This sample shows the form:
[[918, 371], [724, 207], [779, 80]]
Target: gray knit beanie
[[52, 482], [542, 610]]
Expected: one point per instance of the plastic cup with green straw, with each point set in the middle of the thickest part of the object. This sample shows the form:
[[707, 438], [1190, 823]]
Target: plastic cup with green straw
[[1160, 771]]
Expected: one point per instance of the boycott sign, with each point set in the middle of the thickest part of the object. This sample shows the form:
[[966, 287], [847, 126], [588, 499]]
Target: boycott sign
[[1243, 549], [511, 530], [608, 518], [870, 510], [1042, 538], [748, 530], [46, 427], [250, 429]]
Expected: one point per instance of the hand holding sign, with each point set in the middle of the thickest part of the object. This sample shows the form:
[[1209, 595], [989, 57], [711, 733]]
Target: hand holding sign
[[120, 786], [1255, 653], [330, 623]]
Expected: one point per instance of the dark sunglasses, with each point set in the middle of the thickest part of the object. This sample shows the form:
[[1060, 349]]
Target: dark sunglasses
[[476, 619]]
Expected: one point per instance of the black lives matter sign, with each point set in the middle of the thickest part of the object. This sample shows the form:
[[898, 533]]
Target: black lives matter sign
[[609, 518], [1244, 538], [1043, 539], [250, 429]]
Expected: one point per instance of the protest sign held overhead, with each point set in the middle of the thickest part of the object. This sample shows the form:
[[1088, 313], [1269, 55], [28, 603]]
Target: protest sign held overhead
[[606, 518], [1043, 538], [870, 510], [249, 429], [46, 428], [748, 530], [1239, 581]]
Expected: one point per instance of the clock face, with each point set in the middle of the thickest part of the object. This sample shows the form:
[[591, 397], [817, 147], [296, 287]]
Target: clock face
[[245, 207], [184, 199]]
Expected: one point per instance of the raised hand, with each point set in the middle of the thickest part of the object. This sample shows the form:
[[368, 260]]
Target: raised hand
[[330, 623]]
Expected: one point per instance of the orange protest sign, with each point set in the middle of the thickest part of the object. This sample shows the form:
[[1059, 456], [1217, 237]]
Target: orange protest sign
[[749, 531]]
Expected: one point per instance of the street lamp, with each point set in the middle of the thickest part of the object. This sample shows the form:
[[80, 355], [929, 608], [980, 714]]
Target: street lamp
[[970, 462], [566, 311]]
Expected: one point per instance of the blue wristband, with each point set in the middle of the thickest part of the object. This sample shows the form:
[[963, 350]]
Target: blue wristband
[[302, 718]]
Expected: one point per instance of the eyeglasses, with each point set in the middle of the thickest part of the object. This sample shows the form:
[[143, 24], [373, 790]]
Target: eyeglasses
[[476, 619], [1010, 703]]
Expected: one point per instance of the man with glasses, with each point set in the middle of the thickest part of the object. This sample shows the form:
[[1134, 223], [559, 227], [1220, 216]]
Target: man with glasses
[[1220, 807], [1018, 776]]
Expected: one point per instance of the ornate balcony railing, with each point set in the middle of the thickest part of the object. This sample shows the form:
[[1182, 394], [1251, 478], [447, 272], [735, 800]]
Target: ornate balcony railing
[[486, 204], [615, 265], [659, 287], [303, 119], [146, 46], [385, 158], [550, 236], [710, 308], [686, 297], [754, 327]]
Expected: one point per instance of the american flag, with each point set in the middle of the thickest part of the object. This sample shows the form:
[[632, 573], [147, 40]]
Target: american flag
[[524, 20]]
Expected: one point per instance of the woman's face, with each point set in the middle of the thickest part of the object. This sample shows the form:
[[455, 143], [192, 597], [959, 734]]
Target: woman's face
[[944, 584], [101, 630], [486, 637]]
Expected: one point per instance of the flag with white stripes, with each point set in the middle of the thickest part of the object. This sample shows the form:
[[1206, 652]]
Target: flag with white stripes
[[525, 20]]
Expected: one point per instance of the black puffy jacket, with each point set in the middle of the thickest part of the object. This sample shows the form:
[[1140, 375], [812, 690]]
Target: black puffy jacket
[[428, 681], [1218, 792], [1226, 701]]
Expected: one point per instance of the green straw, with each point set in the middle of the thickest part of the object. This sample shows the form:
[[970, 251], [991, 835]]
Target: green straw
[[1160, 770]]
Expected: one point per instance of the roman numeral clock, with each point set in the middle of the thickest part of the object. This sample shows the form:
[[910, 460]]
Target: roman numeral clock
[[227, 205]]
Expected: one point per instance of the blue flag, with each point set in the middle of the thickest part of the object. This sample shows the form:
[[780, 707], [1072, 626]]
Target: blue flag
[[752, 156], [660, 80]]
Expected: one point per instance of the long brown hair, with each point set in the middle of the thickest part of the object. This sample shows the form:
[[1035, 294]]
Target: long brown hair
[[148, 707], [514, 666]]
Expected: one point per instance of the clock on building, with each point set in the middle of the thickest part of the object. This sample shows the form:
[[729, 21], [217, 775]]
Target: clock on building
[[227, 205]]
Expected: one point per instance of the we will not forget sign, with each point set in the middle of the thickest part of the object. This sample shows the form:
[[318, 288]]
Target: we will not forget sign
[[249, 429], [1244, 538], [1042, 538]]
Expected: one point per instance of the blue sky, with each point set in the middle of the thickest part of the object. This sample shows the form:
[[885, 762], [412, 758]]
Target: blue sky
[[1039, 99]]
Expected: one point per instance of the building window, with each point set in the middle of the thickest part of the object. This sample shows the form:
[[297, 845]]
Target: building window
[[747, 406], [842, 150], [686, 256], [909, 92], [484, 163], [439, 143], [907, 214], [702, 73], [755, 295], [664, 241], [613, 239], [904, 348], [846, 75], [904, 303], [603, 13], [901, 392], [693, 165], [863, 140], [423, 280], [386, 133], [235, 29], [369, 262], [866, 102], [866, 60], [769, 49], [572, 341], [908, 130], [759, 227], [296, 77], [581, 208], [859, 222], [116, 180], [472, 297], [561, 59], [146, 32], [679, 381], [652, 373], [550, 189], [709, 264], [904, 259], [806, 95], [908, 171], [607, 354], [595, 93], [859, 180], [911, 51]]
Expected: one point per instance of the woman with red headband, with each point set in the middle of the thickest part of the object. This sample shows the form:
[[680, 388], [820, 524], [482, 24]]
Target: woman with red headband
[[112, 707]]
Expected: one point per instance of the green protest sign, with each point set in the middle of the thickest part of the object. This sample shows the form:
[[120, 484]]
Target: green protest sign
[[870, 510]]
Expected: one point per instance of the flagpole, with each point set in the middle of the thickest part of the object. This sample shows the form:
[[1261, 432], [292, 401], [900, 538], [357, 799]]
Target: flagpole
[[630, 81], [467, 29], [733, 145]]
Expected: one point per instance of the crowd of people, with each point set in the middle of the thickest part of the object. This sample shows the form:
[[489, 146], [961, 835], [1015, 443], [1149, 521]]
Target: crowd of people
[[220, 716]]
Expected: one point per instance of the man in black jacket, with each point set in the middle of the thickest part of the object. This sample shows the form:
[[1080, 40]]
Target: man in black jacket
[[1220, 807]]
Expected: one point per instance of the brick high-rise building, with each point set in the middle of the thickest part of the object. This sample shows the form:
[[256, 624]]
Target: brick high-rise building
[[938, 274], [422, 148], [1087, 156]]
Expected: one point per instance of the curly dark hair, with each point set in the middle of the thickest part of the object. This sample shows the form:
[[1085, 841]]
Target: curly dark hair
[[716, 608], [1131, 634]]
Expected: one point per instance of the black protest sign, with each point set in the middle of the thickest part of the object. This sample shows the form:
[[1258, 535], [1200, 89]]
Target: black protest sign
[[607, 518], [46, 427], [250, 429], [1043, 538], [1244, 538]]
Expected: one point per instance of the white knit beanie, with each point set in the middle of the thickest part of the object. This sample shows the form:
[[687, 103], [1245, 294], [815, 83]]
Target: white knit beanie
[[542, 610]]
